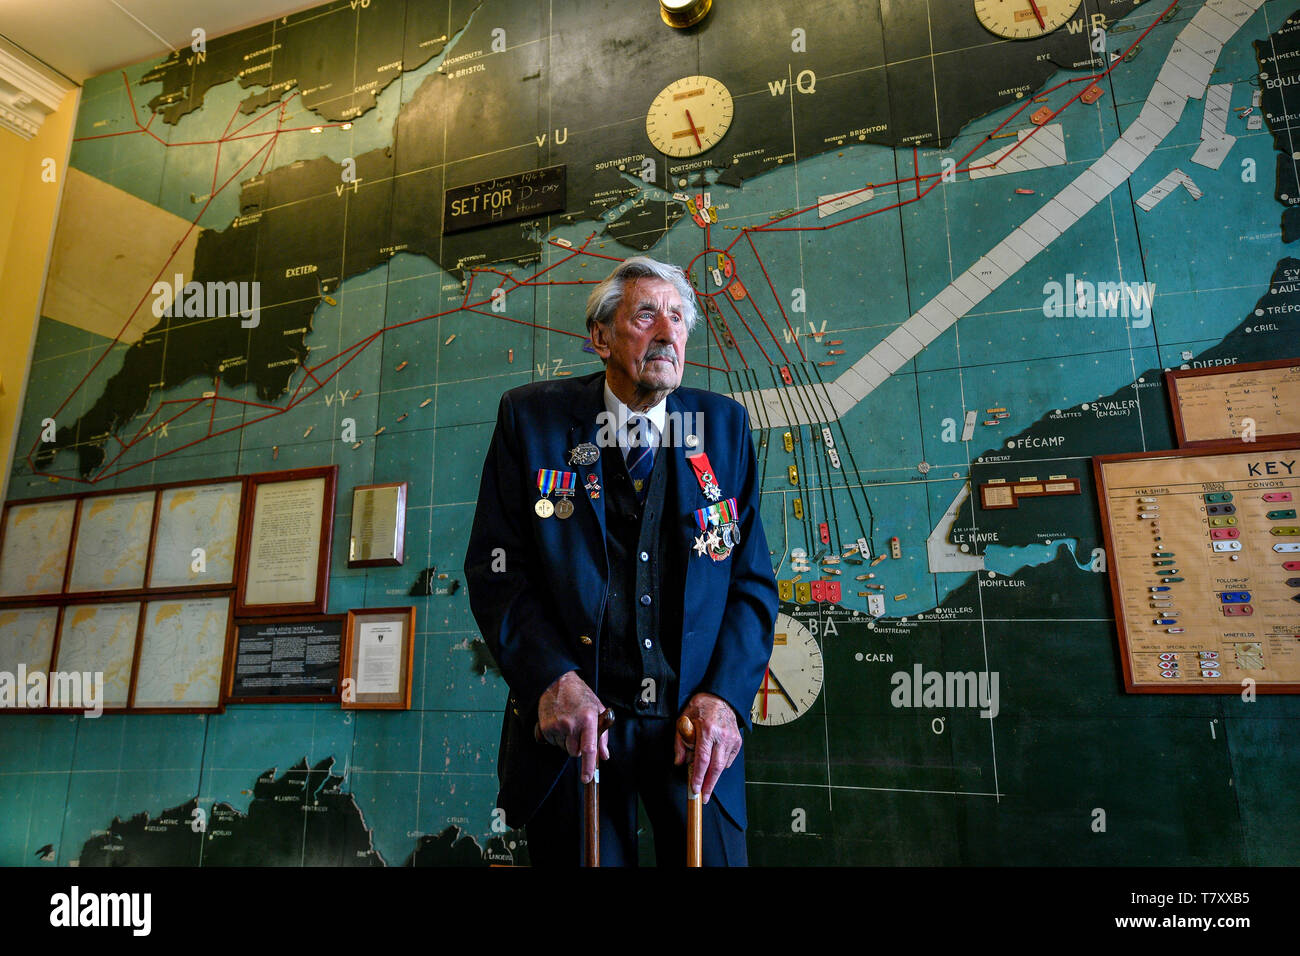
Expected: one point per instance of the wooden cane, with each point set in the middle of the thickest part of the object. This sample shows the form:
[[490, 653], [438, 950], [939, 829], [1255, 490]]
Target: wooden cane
[[694, 809], [592, 794]]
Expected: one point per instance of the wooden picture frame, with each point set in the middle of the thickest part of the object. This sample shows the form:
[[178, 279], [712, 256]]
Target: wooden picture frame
[[173, 541], [1199, 396], [28, 638], [378, 677], [112, 536], [378, 532], [31, 568], [238, 688], [207, 645], [1231, 598], [78, 648], [285, 538]]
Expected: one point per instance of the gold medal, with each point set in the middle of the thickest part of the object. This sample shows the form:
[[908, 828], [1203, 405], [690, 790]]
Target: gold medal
[[544, 508]]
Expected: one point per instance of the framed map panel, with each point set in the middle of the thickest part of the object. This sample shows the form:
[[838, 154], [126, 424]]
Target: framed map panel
[[26, 645], [34, 552], [196, 518], [100, 639], [182, 649], [112, 542]]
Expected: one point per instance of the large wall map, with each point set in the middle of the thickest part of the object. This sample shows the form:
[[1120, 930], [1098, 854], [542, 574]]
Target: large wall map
[[940, 269]]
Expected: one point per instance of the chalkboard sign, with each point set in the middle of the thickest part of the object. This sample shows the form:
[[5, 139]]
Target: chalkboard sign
[[286, 660], [537, 192]]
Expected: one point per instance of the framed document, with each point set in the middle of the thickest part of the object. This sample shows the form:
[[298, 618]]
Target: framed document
[[182, 648], [377, 654], [286, 660], [1203, 552], [378, 536], [1232, 404], [34, 546], [98, 639], [197, 535], [111, 542], [26, 646], [285, 551]]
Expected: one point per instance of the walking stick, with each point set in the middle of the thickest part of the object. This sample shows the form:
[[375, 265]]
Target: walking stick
[[591, 793], [694, 810]]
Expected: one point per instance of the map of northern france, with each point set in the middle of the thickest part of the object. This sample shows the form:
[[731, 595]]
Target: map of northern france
[[930, 262]]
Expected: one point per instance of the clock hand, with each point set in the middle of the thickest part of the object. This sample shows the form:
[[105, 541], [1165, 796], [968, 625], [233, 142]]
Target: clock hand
[[784, 693], [1033, 6], [693, 131]]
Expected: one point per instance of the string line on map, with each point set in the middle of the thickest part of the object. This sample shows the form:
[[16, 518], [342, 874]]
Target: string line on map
[[272, 136]]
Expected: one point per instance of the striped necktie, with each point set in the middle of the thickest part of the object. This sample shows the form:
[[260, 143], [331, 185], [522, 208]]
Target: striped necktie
[[639, 453]]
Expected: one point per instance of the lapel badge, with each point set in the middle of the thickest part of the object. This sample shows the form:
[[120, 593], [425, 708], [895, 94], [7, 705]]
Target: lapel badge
[[593, 487], [584, 454]]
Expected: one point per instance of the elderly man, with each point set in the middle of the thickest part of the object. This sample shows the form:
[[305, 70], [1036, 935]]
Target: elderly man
[[617, 559]]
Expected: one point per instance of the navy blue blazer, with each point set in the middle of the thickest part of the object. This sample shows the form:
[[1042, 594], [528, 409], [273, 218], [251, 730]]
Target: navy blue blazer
[[537, 586]]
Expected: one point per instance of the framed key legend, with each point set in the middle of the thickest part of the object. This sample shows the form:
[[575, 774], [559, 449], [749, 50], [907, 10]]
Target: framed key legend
[[1203, 553]]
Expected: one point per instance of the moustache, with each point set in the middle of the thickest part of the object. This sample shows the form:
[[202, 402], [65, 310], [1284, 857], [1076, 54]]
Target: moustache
[[662, 351]]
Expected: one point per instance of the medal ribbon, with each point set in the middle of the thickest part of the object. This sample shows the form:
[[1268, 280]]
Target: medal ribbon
[[566, 484], [703, 471], [547, 478], [724, 512]]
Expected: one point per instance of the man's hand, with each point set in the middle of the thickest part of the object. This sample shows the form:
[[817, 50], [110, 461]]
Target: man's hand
[[568, 715], [717, 742]]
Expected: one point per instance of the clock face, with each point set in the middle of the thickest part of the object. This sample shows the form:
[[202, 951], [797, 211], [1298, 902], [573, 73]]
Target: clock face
[[793, 678], [1024, 19], [689, 116]]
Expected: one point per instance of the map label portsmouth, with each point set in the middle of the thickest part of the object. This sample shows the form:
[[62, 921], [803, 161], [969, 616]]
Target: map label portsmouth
[[537, 192]]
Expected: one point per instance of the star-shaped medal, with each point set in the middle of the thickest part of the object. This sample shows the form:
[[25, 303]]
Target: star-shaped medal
[[701, 546], [712, 540]]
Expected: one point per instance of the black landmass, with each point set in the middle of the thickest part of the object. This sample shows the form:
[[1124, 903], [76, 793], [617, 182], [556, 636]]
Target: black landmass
[[423, 586], [302, 818], [552, 94], [484, 662], [1279, 65], [452, 847], [1111, 425], [339, 57]]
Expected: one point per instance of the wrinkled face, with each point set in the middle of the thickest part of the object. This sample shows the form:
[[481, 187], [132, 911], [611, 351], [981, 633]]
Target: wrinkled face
[[644, 346]]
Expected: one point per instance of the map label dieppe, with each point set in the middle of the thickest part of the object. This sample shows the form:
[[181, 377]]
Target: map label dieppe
[[537, 192]]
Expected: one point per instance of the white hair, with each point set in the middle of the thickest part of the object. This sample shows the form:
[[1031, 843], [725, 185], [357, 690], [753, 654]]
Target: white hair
[[606, 297]]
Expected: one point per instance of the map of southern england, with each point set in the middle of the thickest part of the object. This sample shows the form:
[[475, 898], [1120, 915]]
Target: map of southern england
[[940, 269]]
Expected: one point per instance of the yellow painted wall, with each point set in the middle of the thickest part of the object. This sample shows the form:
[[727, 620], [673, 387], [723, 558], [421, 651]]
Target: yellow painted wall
[[28, 210]]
